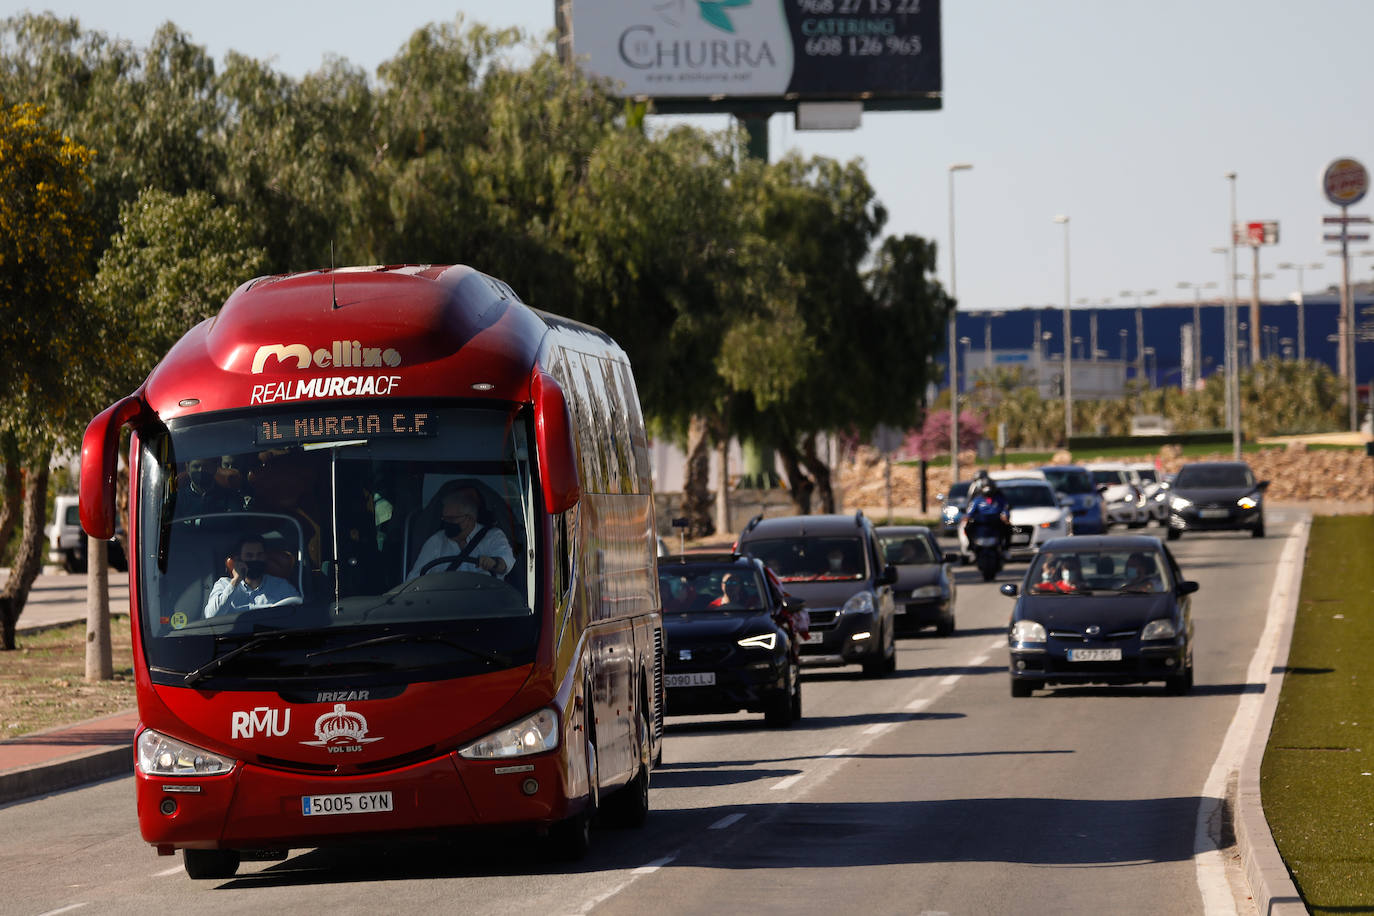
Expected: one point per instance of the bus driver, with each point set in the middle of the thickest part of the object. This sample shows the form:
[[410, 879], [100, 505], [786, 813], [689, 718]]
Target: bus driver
[[248, 584], [485, 549]]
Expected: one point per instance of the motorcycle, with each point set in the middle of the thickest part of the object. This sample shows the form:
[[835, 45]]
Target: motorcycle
[[985, 543]]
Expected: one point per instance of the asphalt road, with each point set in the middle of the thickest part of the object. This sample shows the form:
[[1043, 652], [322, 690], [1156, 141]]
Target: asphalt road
[[930, 791]]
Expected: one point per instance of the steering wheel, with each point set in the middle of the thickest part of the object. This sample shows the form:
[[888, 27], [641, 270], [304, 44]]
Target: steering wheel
[[454, 562]]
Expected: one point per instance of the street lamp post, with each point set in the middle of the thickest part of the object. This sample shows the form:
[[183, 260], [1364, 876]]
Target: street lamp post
[[953, 349], [1139, 326], [1233, 374], [1197, 289], [1302, 330], [1150, 373], [1068, 340]]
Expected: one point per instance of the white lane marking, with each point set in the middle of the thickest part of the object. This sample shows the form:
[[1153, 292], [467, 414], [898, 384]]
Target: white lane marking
[[654, 866], [728, 821], [980, 660], [65, 909], [879, 728], [1217, 897], [837, 752], [949, 680], [171, 871], [918, 705], [789, 781]]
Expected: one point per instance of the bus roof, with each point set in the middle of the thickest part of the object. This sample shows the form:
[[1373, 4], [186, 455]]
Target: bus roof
[[396, 331]]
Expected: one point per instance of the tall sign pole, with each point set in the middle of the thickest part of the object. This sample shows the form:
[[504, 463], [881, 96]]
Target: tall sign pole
[[1345, 183], [1232, 358], [953, 335], [1256, 235]]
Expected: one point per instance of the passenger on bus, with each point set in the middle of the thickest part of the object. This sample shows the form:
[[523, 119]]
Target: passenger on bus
[[472, 548], [199, 493], [248, 584]]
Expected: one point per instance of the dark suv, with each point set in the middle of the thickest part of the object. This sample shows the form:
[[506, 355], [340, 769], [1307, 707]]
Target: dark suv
[[730, 635], [834, 564]]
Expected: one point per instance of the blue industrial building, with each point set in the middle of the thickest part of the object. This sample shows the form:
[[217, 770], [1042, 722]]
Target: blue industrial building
[[1039, 331]]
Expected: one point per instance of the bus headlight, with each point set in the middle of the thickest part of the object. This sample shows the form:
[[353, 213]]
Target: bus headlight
[[533, 734], [159, 755]]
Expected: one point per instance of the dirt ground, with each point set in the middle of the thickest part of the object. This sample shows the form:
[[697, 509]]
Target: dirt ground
[[43, 682]]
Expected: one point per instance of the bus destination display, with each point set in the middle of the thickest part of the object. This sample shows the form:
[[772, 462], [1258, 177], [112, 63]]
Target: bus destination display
[[344, 425]]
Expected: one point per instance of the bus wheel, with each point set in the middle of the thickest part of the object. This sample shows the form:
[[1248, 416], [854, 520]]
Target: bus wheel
[[629, 807], [210, 863], [569, 840]]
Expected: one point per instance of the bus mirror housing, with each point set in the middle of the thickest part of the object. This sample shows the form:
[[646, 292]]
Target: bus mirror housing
[[100, 463], [553, 434]]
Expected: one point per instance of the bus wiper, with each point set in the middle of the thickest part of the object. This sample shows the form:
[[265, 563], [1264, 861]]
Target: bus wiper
[[494, 658], [257, 642]]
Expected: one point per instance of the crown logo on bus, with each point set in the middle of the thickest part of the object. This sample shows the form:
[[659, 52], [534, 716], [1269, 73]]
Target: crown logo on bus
[[341, 354], [340, 727]]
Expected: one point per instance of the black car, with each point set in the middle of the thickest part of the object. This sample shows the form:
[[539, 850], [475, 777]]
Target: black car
[[1110, 609], [832, 562], [924, 591], [1216, 496], [730, 639]]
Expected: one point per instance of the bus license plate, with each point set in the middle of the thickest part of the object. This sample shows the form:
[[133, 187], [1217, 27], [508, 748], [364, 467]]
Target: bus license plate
[[347, 803], [694, 679], [1094, 655]]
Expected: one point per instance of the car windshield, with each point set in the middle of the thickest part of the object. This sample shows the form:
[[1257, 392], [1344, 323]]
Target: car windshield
[[1071, 482], [1147, 475], [712, 589], [906, 550], [1202, 477], [811, 558], [1028, 495], [343, 525], [1115, 571], [1110, 478]]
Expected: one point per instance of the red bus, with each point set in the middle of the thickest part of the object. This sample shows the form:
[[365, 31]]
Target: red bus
[[392, 569]]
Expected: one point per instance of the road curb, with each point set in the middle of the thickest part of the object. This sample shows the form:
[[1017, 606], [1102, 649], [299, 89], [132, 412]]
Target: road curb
[[69, 772], [1271, 885]]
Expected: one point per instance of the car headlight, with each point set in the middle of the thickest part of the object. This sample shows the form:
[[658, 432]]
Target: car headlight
[[1247, 502], [1027, 631], [1161, 496], [533, 734], [159, 755], [950, 513], [1180, 502], [761, 641], [1053, 523], [860, 603], [927, 591], [1159, 629]]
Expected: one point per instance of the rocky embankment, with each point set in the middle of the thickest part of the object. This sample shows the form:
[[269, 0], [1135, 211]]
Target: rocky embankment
[[1296, 474]]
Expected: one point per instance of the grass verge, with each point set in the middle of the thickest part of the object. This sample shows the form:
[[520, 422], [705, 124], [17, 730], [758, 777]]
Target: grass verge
[[1317, 778], [43, 682]]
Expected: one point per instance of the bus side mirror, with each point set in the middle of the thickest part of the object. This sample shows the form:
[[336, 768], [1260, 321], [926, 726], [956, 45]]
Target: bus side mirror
[[553, 433], [100, 464]]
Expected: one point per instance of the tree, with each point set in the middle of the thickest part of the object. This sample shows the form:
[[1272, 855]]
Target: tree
[[46, 233]]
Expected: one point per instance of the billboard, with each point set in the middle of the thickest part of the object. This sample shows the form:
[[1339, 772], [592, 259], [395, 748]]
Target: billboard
[[704, 55]]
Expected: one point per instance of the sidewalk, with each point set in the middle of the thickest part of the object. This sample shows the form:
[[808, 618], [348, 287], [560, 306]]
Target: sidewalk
[[67, 756]]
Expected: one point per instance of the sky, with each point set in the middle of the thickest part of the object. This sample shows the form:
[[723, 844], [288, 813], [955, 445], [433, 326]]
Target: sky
[[1124, 116]]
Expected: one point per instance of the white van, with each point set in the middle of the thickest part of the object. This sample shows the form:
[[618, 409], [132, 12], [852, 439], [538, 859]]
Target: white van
[[67, 542]]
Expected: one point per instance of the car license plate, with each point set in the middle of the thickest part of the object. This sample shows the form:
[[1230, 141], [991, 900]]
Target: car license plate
[[349, 803], [1213, 513], [694, 679], [1094, 655], [1020, 538], [814, 636]]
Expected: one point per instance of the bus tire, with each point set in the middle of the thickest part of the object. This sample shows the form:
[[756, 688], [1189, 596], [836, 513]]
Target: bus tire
[[210, 863], [629, 806], [571, 838]]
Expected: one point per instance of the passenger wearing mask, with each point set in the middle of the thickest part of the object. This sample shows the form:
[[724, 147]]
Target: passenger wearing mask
[[202, 494]]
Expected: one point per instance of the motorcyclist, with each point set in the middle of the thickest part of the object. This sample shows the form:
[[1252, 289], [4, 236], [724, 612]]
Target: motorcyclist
[[987, 504]]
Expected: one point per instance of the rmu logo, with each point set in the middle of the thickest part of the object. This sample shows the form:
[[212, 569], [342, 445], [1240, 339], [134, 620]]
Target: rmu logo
[[341, 354], [261, 720]]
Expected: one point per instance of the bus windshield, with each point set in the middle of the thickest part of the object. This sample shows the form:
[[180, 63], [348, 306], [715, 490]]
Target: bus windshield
[[319, 546]]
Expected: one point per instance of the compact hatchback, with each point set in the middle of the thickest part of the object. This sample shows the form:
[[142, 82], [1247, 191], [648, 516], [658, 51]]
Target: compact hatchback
[[1113, 609], [833, 563], [1216, 496], [924, 591], [731, 639]]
